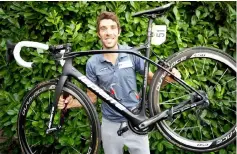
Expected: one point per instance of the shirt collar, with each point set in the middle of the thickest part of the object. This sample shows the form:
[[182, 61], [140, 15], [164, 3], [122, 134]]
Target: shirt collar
[[121, 55]]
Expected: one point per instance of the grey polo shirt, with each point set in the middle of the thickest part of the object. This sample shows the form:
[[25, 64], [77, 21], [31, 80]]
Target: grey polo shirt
[[121, 77]]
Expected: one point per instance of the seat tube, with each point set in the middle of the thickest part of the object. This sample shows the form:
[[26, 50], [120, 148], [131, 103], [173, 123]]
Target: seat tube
[[148, 50]]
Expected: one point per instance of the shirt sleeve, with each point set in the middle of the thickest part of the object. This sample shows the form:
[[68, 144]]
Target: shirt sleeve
[[90, 73]]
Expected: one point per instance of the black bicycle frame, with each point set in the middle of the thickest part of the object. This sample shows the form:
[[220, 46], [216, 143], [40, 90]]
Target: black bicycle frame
[[139, 120]]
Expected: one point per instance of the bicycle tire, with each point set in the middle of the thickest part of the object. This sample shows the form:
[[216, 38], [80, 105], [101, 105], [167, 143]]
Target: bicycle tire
[[35, 140], [173, 129]]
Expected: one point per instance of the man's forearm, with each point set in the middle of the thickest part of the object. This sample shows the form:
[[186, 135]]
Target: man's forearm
[[92, 96], [150, 76]]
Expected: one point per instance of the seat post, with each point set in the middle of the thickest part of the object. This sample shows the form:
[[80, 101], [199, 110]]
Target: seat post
[[149, 33]]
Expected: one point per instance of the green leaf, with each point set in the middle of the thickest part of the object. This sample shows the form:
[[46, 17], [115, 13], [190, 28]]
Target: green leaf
[[136, 20], [219, 72], [197, 13], [176, 13], [121, 8], [160, 146], [192, 117], [11, 112], [222, 151], [200, 38], [194, 20], [203, 114], [14, 22], [168, 145], [1, 11], [218, 88]]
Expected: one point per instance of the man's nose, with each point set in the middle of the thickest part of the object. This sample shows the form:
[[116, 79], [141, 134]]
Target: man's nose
[[109, 31]]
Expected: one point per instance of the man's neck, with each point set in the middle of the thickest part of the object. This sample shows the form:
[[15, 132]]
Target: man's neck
[[111, 57]]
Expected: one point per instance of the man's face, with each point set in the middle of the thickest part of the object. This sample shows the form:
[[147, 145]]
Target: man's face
[[108, 33]]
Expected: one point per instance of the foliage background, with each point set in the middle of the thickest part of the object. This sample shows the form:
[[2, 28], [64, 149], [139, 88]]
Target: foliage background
[[189, 24]]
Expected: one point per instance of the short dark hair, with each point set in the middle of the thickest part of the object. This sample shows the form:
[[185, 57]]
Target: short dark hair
[[107, 15]]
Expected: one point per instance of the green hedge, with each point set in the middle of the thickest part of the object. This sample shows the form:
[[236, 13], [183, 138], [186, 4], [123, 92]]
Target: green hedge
[[211, 24]]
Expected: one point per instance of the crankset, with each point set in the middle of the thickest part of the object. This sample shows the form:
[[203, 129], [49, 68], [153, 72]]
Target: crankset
[[138, 131]]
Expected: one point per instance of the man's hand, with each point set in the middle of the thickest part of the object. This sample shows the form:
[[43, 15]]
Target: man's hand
[[176, 73], [71, 102]]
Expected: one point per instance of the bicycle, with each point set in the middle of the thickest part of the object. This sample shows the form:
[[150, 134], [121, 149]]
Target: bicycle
[[203, 102]]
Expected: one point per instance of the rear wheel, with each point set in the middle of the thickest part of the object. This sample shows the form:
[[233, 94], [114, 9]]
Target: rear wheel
[[200, 129], [80, 132]]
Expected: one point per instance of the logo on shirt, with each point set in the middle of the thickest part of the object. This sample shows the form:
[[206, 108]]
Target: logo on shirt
[[125, 64], [103, 69]]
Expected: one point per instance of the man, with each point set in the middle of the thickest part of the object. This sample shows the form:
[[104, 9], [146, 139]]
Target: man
[[114, 71]]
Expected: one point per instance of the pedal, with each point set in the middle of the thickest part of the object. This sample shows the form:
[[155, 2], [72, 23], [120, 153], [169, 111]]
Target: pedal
[[123, 128]]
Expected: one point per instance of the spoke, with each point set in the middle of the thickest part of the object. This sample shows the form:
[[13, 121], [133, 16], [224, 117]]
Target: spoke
[[178, 87], [220, 126], [32, 109], [225, 106], [31, 120], [188, 128], [174, 99], [231, 101], [175, 129], [169, 92], [34, 144], [184, 127], [185, 68], [202, 70], [49, 96], [230, 80], [203, 65], [231, 92], [175, 119], [195, 67], [211, 131], [213, 70], [169, 103], [226, 120], [75, 149], [231, 109], [200, 129], [220, 79], [225, 101]]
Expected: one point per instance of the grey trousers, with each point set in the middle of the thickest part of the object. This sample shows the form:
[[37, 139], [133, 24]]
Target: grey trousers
[[113, 144]]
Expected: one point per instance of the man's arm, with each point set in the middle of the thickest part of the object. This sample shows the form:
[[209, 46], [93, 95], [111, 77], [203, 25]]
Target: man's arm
[[74, 103], [92, 96], [150, 76], [168, 79]]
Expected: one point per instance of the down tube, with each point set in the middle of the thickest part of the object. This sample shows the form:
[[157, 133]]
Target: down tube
[[135, 119]]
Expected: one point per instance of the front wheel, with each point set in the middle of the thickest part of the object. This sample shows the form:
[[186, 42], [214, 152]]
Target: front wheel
[[80, 132], [199, 129]]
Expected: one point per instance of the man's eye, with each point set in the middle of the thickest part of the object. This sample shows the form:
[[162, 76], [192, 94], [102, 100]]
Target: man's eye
[[103, 28]]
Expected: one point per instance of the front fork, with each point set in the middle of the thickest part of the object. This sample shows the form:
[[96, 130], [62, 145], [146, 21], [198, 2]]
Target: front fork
[[58, 91]]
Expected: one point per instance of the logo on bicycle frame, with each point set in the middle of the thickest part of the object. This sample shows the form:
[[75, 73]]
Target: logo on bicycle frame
[[101, 92]]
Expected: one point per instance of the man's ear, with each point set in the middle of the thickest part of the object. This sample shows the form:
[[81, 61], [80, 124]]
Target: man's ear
[[98, 35], [119, 32]]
